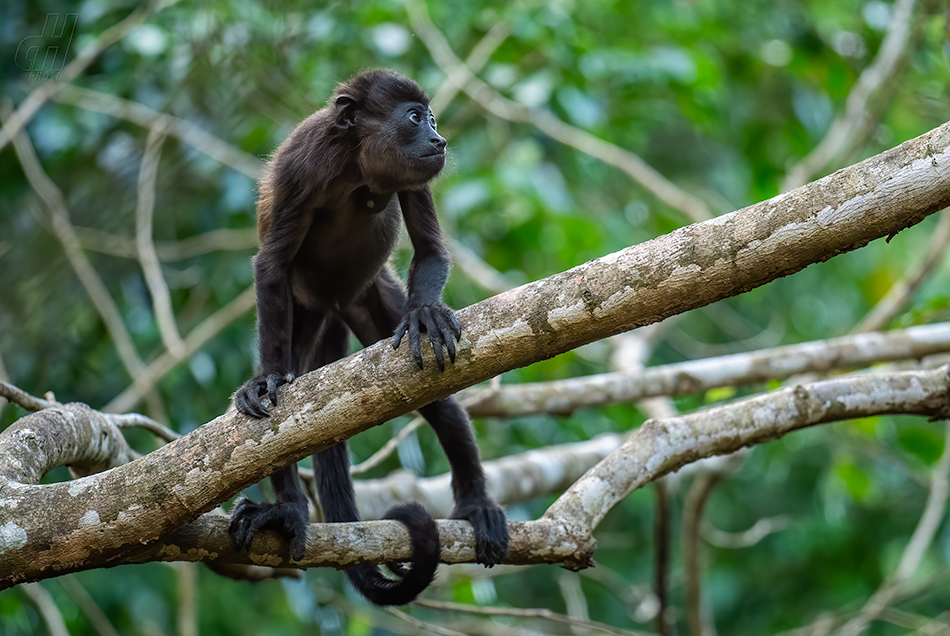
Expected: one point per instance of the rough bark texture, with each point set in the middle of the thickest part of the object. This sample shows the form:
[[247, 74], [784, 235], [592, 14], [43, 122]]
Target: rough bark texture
[[101, 516]]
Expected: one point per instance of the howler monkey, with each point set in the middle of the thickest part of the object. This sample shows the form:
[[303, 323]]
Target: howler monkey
[[328, 216]]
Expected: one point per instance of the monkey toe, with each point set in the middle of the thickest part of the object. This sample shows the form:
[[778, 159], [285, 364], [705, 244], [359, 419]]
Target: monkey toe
[[239, 526], [436, 343], [491, 543], [449, 342], [491, 531], [275, 380], [250, 405]]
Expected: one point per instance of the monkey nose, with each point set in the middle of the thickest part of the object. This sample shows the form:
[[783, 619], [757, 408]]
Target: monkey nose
[[438, 141]]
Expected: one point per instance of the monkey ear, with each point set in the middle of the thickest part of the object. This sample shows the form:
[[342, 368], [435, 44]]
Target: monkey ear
[[345, 111]]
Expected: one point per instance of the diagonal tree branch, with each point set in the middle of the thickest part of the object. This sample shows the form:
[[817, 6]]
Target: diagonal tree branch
[[146, 380], [662, 446], [145, 246], [474, 63], [185, 131], [563, 534], [901, 292]]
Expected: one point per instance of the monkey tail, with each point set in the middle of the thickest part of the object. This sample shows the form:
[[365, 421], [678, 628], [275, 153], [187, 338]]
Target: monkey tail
[[335, 491], [424, 534]]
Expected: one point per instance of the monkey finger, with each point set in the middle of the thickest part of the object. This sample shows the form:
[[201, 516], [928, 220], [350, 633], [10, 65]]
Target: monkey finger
[[298, 547], [401, 329], [254, 399], [414, 339], [447, 339], [436, 341], [247, 402], [243, 537], [456, 327], [257, 407], [429, 316], [239, 528], [273, 381], [236, 521]]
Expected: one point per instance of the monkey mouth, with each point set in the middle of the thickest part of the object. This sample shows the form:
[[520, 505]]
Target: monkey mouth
[[433, 155]]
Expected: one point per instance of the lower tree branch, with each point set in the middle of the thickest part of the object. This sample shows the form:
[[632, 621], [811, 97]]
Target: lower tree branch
[[662, 446]]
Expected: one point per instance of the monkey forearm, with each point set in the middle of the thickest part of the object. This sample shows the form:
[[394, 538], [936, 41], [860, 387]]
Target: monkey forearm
[[427, 278], [274, 317]]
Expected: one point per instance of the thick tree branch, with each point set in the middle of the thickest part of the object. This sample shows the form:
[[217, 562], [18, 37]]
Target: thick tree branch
[[71, 435], [513, 479], [140, 501]]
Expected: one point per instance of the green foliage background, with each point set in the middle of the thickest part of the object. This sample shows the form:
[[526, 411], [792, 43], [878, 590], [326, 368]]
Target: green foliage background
[[721, 97]]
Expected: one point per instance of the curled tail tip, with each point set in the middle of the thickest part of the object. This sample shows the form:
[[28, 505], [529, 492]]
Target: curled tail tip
[[426, 552]]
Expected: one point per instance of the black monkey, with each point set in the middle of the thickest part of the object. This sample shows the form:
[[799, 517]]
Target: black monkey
[[328, 216]]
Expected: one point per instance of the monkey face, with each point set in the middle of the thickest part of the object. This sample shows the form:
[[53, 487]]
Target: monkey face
[[401, 151]]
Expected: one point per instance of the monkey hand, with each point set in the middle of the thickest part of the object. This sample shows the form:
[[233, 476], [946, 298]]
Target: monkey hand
[[439, 322], [247, 399]]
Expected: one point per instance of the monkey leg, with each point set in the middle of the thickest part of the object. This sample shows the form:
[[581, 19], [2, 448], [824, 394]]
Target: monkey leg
[[472, 501], [331, 468], [372, 317], [315, 341]]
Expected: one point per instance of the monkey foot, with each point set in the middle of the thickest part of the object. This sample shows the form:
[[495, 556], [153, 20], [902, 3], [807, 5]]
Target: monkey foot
[[491, 530], [288, 519]]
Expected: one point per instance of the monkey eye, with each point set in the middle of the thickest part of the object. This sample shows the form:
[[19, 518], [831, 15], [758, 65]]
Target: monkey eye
[[414, 117], [432, 121]]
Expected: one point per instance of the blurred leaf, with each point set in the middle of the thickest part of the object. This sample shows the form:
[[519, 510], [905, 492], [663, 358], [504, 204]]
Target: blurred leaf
[[926, 444]]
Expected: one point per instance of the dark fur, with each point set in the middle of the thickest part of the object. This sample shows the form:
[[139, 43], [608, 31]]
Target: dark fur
[[329, 216]]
